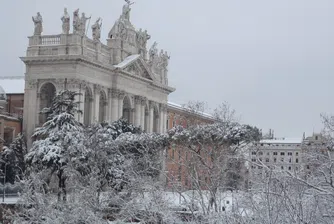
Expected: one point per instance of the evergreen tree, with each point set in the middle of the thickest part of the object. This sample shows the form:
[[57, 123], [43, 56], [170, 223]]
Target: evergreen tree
[[12, 158], [59, 145]]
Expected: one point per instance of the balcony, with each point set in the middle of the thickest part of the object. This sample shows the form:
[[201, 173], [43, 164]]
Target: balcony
[[71, 44]]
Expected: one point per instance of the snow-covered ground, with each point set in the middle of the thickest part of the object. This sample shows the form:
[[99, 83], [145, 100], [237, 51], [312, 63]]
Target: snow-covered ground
[[9, 200]]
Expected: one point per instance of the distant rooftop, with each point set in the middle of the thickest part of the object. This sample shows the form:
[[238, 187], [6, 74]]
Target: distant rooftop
[[12, 84], [180, 107], [282, 141]]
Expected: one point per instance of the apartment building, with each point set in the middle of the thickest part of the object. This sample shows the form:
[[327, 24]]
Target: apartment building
[[280, 154]]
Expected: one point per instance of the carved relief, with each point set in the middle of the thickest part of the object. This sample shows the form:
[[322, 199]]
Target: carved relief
[[32, 83], [97, 88], [121, 95]]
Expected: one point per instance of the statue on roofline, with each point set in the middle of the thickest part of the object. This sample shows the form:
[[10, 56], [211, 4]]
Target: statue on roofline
[[83, 21], [76, 21], [96, 29], [38, 22], [126, 10], [142, 38], [66, 22]]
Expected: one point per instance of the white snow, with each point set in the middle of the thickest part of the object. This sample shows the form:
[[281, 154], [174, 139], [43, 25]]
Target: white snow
[[178, 106], [12, 84], [9, 200], [283, 141], [127, 61]]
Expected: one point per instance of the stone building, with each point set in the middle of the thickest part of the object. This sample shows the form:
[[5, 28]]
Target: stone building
[[177, 159], [117, 79], [282, 154], [10, 123]]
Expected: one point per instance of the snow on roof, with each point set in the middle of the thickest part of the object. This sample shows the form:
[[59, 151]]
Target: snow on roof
[[283, 141], [12, 84], [127, 61], [178, 106]]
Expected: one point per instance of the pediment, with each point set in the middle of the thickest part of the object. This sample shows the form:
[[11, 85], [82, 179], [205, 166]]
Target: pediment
[[135, 65]]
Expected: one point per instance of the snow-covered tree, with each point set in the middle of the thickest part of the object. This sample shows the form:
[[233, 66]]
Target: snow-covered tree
[[59, 147], [12, 159]]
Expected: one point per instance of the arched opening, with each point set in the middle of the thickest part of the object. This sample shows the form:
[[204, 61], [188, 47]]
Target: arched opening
[[102, 107], [47, 93], [88, 106], [147, 118], [126, 109], [156, 120]]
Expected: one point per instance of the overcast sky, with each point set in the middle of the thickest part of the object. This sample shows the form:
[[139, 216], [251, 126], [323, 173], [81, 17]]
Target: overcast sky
[[272, 60]]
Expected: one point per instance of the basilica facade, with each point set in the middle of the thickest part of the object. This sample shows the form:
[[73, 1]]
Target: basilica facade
[[118, 79]]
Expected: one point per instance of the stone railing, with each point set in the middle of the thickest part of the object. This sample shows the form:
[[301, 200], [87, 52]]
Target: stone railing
[[72, 44], [50, 40]]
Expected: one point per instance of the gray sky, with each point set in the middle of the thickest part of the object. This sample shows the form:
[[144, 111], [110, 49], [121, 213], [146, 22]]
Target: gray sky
[[272, 60]]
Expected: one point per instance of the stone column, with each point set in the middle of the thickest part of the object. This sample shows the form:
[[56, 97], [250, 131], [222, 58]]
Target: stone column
[[96, 103], [151, 117], [37, 109], [133, 115], [166, 118], [77, 86], [114, 104], [142, 113], [29, 113], [138, 110], [109, 110], [161, 119], [120, 104]]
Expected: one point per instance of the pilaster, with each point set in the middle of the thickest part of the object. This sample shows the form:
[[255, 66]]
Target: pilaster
[[138, 104], [120, 104], [151, 116], [96, 103]]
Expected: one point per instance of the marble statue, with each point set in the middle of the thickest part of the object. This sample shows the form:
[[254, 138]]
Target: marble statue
[[38, 21], [96, 29], [153, 53], [142, 38], [66, 22], [76, 22], [122, 32], [83, 21], [126, 10], [165, 60]]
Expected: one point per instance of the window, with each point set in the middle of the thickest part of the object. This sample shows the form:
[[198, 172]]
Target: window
[[267, 160], [227, 202], [179, 154], [297, 160], [275, 153], [289, 153], [290, 160], [282, 167], [282, 153], [268, 153], [282, 159], [174, 123], [296, 153], [289, 167], [253, 160], [186, 181], [260, 153], [308, 167], [253, 153], [167, 124], [275, 160], [173, 153], [316, 137]]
